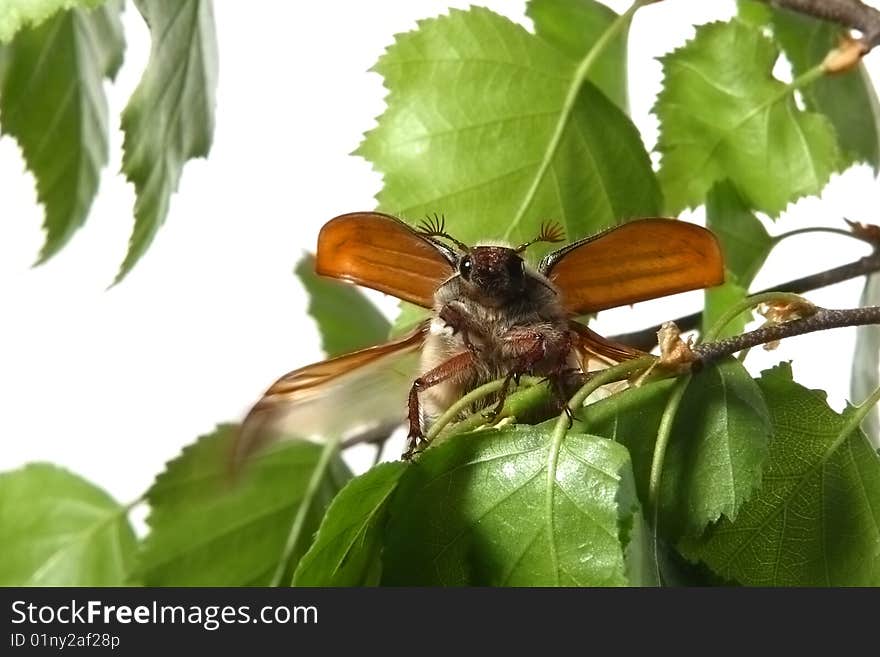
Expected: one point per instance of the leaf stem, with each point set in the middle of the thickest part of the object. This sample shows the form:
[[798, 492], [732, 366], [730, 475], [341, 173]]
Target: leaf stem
[[296, 529], [776, 239], [135, 502], [109, 519], [472, 397], [596, 381], [855, 420], [462, 405], [658, 459], [580, 76], [805, 79], [664, 433], [747, 304]]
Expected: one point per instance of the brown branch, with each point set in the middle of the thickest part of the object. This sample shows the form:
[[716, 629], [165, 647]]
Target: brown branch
[[852, 14], [646, 339], [823, 319]]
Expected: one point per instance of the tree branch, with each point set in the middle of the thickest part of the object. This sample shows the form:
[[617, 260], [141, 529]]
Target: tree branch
[[523, 403], [852, 14], [646, 339], [823, 319]]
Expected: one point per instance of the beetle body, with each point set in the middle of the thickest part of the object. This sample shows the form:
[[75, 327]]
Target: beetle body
[[493, 316]]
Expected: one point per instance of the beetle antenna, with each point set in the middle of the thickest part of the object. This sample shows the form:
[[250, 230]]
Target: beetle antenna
[[550, 232], [435, 226]]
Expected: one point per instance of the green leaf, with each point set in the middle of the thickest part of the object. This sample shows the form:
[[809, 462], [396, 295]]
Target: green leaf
[[346, 319], [631, 417], [716, 451], [744, 240], [724, 116], [17, 14], [745, 244], [169, 118], [678, 571], [641, 566], [721, 437], [52, 102], [347, 549], [815, 520], [480, 509], [718, 300], [866, 361], [848, 100], [754, 12], [57, 529], [210, 529], [573, 27], [491, 126]]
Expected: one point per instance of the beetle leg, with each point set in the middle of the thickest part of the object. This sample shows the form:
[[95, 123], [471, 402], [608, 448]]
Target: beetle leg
[[532, 347], [454, 367], [556, 383], [495, 411], [461, 322], [528, 348]]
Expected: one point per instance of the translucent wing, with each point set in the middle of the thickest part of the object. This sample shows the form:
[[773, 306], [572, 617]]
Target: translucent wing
[[378, 251], [592, 346], [337, 397], [637, 261]]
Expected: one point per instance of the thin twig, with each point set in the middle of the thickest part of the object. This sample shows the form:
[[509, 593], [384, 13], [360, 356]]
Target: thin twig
[[852, 14], [822, 320], [646, 339]]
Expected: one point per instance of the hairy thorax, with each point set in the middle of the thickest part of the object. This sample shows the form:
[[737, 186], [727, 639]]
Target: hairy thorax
[[499, 331]]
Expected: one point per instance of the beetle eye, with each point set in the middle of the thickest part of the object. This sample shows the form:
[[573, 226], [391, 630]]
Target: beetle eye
[[465, 266], [516, 267]]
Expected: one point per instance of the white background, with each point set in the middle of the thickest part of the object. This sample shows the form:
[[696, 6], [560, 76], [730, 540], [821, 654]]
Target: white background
[[112, 383]]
